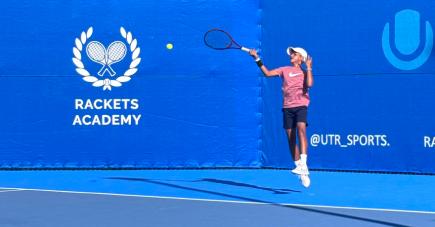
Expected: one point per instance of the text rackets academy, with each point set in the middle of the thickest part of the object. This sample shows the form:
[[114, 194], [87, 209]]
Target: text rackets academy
[[109, 105], [106, 111]]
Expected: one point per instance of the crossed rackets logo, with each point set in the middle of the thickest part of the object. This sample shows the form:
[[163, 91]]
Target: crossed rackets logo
[[115, 53]]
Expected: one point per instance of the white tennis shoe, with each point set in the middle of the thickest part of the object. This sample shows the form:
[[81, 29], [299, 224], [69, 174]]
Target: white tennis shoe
[[305, 180], [301, 169]]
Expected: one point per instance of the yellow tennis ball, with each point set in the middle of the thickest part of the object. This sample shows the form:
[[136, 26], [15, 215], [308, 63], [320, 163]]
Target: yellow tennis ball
[[169, 46]]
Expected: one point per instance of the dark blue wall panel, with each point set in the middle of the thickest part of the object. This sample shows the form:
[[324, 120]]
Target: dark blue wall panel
[[368, 111]]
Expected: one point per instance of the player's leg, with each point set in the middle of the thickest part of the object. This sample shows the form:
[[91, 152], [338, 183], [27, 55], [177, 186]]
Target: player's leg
[[289, 120], [293, 147], [302, 136], [301, 115], [291, 137], [303, 144], [301, 125]]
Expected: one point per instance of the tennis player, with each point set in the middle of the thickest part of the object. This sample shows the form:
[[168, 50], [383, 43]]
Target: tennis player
[[295, 84]]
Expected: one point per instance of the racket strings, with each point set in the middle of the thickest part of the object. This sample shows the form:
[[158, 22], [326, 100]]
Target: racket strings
[[218, 39], [96, 52], [116, 51]]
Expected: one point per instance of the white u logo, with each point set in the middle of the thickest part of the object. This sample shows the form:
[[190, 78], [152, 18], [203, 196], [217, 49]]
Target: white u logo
[[407, 40]]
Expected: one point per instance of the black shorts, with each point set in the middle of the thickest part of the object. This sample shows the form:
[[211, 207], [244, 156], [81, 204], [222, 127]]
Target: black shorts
[[293, 115]]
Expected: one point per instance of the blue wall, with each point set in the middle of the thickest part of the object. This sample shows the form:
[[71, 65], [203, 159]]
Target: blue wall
[[204, 108], [197, 107], [358, 94]]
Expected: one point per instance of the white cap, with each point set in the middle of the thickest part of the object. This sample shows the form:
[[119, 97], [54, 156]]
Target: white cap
[[299, 50]]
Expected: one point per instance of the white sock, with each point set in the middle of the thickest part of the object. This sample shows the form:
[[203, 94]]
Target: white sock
[[303, 159]]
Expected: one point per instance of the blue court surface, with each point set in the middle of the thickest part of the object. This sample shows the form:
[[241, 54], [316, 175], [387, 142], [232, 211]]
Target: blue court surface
[[214, 198]]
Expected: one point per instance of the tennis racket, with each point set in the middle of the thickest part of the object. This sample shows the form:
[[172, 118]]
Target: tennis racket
[[115, 53], [97, 53], [219, 39]]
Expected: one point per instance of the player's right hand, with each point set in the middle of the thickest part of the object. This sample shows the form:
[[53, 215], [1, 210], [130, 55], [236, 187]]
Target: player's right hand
[[253, 53]]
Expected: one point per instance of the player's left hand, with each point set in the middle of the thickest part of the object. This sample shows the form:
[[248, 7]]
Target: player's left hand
[[309, 62]]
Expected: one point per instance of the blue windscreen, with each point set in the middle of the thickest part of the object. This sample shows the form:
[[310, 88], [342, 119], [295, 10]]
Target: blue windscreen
[[132, 84], [184, 105], [372, 100]]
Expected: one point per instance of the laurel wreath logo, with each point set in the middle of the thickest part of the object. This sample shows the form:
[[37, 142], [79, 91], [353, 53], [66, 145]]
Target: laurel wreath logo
[[107, 84]]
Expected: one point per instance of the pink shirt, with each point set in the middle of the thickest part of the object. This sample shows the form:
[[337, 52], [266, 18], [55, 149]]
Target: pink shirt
[[293, 89]]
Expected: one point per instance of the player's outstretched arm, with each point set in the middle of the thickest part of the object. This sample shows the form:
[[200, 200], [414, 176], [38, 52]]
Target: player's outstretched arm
[[263, 68]]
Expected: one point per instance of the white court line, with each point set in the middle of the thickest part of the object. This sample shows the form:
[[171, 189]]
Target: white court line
[[219, 201], [12, 190]]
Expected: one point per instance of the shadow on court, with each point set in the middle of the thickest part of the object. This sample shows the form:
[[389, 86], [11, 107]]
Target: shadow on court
[[238, 184], [237, 197]]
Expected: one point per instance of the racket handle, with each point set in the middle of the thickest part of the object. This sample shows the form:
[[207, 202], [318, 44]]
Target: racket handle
[[245, 49]]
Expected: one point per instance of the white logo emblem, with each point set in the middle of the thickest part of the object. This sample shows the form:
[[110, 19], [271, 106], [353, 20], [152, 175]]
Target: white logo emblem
[[294, 74], [106, 57]]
